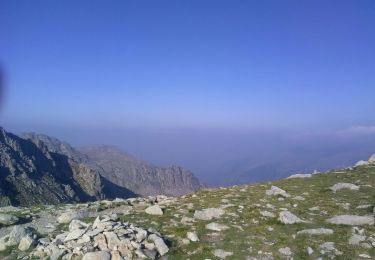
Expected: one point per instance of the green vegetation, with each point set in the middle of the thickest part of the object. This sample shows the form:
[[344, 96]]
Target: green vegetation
[[250, 233]]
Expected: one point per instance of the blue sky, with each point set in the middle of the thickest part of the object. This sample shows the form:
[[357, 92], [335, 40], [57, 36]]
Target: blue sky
[[215, 64], [215, 86]]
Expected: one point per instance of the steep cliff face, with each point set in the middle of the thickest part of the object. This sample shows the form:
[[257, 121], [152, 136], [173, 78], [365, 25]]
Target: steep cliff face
[[32, 174], [138, 176], [115, 167], [53, 144]]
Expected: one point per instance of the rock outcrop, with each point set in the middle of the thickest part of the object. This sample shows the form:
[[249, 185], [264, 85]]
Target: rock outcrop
[[31, 175], [38, 169], [138, 176], [105, 238], [118, 167]]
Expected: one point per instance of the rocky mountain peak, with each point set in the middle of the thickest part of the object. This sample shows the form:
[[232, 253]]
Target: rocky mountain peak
[[41, 169]]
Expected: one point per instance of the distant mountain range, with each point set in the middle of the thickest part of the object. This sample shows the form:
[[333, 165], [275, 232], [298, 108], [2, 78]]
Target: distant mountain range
[[38, 169]]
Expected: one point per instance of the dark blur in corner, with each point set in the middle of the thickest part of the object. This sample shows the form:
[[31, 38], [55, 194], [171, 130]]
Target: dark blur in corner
[[2, 86]]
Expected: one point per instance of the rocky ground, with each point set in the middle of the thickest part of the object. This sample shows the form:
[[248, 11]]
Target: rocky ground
[[308, 216]]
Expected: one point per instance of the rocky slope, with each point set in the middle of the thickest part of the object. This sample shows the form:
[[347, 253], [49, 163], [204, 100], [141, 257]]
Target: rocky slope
[[307, 216], [33, 175], [38, 169], [124, 170], [138, 176]]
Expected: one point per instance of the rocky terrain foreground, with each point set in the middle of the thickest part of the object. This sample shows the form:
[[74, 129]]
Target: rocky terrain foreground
[[307, 216]]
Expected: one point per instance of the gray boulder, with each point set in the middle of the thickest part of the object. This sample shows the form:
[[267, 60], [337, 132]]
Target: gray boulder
[[192, 236], [285, 251], [267, 214], [17, 233], [343, 185], [77, 224], [209, 213], [75, 234], [361, 163], [287, 217], [159, 244], [351, 220], [154, 210], [276, 191], [68, 216], [356, 239], [300, 175], [100, 255], [7, 219], [26, 242], [316, 231], [216, 226], [372, 159], [222, 254]]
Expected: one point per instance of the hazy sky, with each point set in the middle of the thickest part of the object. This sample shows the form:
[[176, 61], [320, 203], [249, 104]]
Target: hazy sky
[[297, 64], [119, 68]]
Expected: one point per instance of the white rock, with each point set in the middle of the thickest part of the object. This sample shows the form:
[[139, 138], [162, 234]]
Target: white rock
[[316, 231], [285, 251], [84, 239], [96, 223], [328, 246], [299, 198], [356, 239], [372, 159], [159, 244], [300, 175], [141, 234], [216, 226], [17, 233], [364, 256], [267, 214], [7, 219], [364, 206], [115, 255], [3, 245], [112, 240], [286, 217], [154, 210], [77, 224], [187, 220], [99, 255], [25, 243], [343, 185], [351, 220], [94, 232], [309, 250], [68, 216], [209, 213], [192, 236], [276, 191], [361, 163], [221, 253], [75, 234]]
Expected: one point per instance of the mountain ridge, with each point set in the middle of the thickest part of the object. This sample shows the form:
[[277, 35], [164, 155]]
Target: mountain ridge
[[40, 162]]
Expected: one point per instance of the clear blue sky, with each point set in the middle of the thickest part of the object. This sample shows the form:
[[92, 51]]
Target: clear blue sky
[[215, 64]]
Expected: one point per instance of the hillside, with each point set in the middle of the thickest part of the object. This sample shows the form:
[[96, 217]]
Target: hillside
[[38, 169], [124, 170], [326, 215], [138, 176], [31, 173]]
